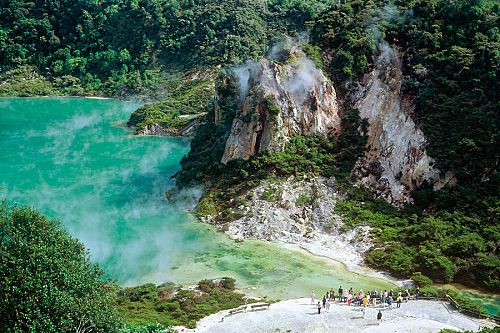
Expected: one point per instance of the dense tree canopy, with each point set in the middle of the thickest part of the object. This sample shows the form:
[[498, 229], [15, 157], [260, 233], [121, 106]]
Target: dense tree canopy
[[47, 281], [111, 46], [450, 53]]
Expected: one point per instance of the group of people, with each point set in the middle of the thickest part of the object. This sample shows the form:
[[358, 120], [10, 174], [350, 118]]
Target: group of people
[[362, 298]]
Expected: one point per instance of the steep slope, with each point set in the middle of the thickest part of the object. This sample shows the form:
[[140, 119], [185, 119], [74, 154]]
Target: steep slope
[[279, 101], [396, 161]]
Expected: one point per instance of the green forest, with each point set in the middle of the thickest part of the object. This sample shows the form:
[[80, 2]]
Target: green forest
[[128, 47], [451, 57], [451, 235]]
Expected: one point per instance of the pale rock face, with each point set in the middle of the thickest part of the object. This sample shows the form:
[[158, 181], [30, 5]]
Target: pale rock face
[[152, 130], [279, 101], [396, 161], [300, 212]]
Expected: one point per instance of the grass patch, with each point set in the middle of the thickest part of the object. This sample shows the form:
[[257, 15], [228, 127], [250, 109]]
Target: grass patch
[[303, 199], [272, 194]]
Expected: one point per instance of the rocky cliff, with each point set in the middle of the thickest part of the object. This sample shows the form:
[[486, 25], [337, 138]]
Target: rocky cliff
[[280, 98], [396, 161]]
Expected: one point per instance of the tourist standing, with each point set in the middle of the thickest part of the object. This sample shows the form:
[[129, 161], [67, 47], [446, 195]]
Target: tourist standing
[[327, 305], [324, 302], [340, 293], [319, 307], [417, 295], [313, 298], [399, 300], [407, 295], [379, 317]]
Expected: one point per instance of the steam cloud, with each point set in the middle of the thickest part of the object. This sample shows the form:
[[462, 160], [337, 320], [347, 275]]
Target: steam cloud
[[389, 13], [243, 74], [108, 191], [305, 74]]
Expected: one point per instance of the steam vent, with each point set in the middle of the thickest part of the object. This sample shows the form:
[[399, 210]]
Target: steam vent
[[280, 97]]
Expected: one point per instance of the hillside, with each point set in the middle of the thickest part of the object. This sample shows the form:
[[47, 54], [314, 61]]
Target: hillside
[[364, 131], [408, 134], [128, 48]]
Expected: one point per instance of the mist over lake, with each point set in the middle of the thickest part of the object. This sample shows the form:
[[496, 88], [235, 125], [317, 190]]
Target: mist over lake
[[74, 160]]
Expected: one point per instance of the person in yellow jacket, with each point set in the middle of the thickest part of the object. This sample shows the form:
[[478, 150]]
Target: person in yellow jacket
[[366, 301], [399, 300]]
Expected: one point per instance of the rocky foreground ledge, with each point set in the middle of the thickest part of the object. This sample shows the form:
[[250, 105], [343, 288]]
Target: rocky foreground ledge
[[299, 315]]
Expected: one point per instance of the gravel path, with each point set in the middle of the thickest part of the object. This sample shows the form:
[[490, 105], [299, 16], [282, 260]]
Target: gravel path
[[300, 316]]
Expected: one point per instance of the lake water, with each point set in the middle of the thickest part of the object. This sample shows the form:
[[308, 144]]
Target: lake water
[[74, 160]]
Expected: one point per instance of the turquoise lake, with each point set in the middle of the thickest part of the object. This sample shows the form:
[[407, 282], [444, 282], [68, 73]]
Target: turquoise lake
[[74, 160]]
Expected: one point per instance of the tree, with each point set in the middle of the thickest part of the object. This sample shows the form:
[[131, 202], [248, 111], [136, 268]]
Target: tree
[[47, 281]]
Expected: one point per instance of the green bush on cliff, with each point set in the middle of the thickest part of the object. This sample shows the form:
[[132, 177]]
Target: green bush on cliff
[[209, 205]]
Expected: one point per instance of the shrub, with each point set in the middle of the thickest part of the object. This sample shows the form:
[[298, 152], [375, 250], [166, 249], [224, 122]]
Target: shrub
[[47, 281], [228, 283], [185, 307], [421, 280], [149, 328]]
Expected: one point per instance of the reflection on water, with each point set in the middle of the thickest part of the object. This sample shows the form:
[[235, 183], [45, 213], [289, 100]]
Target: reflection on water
[[70, 160]]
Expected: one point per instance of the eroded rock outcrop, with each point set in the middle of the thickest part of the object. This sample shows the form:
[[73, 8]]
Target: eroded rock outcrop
[[396, 161], [295, 211], [279, 100]]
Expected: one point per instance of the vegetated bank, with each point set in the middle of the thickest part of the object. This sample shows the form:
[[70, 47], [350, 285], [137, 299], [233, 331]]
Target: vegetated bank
[[446, 227], [50, 285]]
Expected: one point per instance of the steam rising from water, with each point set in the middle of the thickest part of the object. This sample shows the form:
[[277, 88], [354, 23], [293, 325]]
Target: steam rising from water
[[68, 159], [107, 189]]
